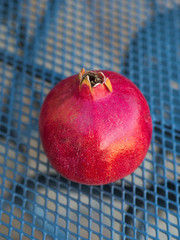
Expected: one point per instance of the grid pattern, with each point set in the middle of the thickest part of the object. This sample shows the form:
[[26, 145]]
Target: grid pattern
[[44, 41]]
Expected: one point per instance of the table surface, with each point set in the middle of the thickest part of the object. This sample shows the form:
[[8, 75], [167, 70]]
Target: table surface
[[41, 43]]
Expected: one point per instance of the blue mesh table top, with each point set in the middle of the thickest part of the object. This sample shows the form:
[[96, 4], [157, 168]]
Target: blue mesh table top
[[41, 43]]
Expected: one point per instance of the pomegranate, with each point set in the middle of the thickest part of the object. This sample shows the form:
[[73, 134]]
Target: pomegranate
[[95, 127]]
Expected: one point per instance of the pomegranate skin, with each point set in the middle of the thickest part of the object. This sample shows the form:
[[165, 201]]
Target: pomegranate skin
[[95, 136]]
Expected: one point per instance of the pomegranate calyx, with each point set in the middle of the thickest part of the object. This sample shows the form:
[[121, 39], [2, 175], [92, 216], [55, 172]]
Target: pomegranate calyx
[[93, 79]]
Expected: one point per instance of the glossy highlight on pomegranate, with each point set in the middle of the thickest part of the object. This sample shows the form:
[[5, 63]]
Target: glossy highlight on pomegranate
[[95, 127]]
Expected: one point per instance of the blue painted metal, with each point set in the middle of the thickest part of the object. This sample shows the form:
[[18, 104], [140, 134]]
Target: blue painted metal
[[44, 41]]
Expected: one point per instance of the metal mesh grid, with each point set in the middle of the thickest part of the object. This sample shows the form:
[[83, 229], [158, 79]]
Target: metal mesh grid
[[44, 41]]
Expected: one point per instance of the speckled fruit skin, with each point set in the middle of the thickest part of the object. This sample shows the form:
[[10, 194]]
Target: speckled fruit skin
[[95, 138]]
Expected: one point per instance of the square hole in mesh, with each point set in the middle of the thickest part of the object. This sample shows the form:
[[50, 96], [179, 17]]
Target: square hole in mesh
[[160, 172], [39, 222], [18, 200], [10, 163], [163, 235], [25, 109], [173, 218], [16, 223], [117, 212], [6, 206], [107, 232], [72, 227], [11, 153], [62, 199], [118, 236], [8, 185], [117, 225], [152, 231], [62, 211], [84, 199], [29, 205], [4, 230], [48, 237], [73, 216], [61, 222], [95, 203], [174, 230], [42, 156], [1, 158], [140, 203], [21, 157], [169, 155], [33, 153], [47, 89], [107, 198], [167, 116], [41, 200], [13, 133], [34, 143], [131, 231], [3, 150], [96, 191], [38, 234], [156, 110], [169, 144], [170, 174], [84, 210], [73, 193], [17, 211], [94, 236], [84, 233], [26, 100], [40, 211], [138, 176], [95, 215], [162, 214], [5, 218], [30, 195], [84, 221], [50, 228], [19, 189], [15, 234], [106, 209], [72, 237], [95, 227], [73, 205], [162, 224], [32, 163], [107, 220], [36, 105], [51, 216], [52, 194], [27, 229]]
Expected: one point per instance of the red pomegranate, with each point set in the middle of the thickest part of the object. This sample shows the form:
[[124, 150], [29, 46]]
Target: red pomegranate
[[95, 127]]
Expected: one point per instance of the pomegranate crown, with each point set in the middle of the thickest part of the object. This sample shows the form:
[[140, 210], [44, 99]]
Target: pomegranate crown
[[93, 79]]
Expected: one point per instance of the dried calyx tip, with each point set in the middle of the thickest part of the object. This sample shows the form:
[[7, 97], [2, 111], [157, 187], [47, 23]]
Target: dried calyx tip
[[93, 78]]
